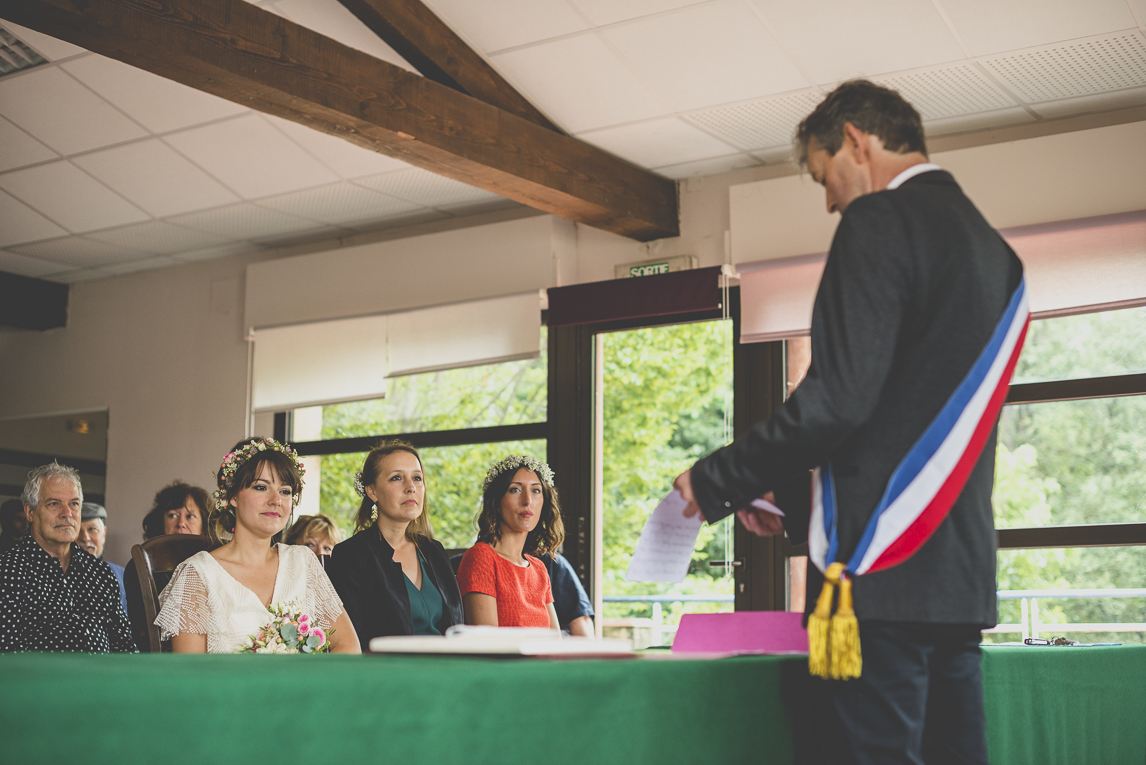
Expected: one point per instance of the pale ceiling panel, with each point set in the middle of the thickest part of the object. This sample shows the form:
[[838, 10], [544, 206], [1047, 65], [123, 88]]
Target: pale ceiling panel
[[948, 91], [144, 264], [48, 47], [211, 253], [339, 203], [70, 197], [34, 267], [1015, 115], [79, 252], [244, 221], [579, 83], [660, 142], [156, 178], [61, 112], [759, 124], [863, 37], [496, 24], [1121, 99], [427, 189], [158, 238], [602, 12], [708, 167], [1080, 68], [20, 223], [331, 19], [730, 55], [341, 156], [994, 26], [18, 149], [251, 157], [155, 102]]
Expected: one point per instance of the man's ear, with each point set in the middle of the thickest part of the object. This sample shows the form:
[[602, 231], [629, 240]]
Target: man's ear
[[857, 141]]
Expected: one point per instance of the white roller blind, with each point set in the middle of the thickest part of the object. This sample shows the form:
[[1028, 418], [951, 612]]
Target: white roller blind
[[320, 363], [465, 334], [1071, 267]]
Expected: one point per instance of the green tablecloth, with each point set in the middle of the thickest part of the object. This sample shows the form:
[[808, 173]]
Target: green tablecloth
[[1065, 706], [1044, 706]]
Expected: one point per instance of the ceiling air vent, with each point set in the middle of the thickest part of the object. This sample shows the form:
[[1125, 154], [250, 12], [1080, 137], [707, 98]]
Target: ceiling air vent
[[15, 55]]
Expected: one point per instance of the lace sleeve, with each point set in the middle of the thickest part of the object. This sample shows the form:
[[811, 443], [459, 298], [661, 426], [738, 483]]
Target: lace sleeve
[[183, 603], [325, 605]]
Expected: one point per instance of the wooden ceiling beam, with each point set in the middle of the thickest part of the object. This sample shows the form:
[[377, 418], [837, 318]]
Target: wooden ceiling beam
[[245, 54], [431, 47]]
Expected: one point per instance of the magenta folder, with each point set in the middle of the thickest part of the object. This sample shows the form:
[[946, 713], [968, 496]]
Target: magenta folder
[[741, 632]]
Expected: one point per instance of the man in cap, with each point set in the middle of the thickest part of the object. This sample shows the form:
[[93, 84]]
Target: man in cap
[[54, 595], [93, 535]]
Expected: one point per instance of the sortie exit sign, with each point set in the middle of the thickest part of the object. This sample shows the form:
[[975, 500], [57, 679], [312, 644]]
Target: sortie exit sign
[[651, 267]]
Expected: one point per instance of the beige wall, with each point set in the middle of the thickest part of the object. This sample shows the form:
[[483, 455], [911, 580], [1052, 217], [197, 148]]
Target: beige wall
[[164, 351]]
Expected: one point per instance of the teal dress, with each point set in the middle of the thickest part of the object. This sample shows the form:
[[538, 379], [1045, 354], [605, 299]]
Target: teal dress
[[425, 604]]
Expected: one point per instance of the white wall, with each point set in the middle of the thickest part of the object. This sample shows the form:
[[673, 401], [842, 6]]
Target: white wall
[[164, 352]]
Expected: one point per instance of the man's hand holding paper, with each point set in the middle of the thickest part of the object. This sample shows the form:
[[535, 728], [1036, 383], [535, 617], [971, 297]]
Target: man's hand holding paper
[[762, 517]]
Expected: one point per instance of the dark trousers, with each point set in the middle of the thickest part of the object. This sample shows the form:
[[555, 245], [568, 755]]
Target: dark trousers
[[919, 700]]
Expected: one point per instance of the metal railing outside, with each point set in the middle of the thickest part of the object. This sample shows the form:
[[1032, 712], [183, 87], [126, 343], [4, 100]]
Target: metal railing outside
[[659, 628]]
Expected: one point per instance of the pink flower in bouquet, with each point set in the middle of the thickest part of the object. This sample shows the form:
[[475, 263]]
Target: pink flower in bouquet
[[303, 619], [318, 633], [304, 627]]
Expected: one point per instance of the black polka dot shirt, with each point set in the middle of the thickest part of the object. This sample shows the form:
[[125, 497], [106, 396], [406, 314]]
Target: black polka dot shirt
[[42, 608]]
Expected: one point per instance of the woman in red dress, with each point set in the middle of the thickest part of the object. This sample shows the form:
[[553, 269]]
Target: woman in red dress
[[500, 584]]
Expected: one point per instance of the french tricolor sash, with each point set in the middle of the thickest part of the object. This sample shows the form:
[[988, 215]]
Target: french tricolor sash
[[926, 482]]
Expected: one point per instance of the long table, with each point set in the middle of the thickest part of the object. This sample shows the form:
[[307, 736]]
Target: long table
[[1046, 706]]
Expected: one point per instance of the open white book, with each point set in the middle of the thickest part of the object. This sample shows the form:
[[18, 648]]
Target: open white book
[[503, 641]]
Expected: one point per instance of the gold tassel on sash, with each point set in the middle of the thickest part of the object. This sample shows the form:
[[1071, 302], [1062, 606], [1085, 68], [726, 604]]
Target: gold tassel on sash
[[833, 641]]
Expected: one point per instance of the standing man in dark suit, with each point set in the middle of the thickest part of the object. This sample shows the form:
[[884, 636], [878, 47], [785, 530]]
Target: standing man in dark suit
[[917, 324]]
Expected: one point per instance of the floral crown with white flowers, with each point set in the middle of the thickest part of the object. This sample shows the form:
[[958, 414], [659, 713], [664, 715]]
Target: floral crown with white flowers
[[225, 478], [518, 461]]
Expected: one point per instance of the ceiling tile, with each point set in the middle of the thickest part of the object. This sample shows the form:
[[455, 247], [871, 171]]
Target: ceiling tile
[[331, 19], [70, 197], [48, 47], [144, 264], [158, 238], [20, 223], [579, 83], [155, 102], [994, 26], [602, 12], [656, 143], [429, 189], [25, 266], [963, 123], [491, 26], [339, 203], [711, 166], [251, 157], [17, 148], [62, 113], [1121, 99], [341, 156], [211, 253], [730, 55], [244, 221], [78, 252], [156, 178], [948, 91], [1079, 68], [759, 124], [839, 39]]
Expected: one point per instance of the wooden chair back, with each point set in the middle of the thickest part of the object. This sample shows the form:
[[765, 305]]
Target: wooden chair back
[[161, 554]]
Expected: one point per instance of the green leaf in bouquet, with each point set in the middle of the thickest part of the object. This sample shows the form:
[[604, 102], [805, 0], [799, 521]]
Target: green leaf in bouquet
[[289, 633], [312, 642]]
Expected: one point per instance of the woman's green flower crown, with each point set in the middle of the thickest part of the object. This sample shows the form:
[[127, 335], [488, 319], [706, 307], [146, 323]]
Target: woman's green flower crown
[[544, 472], [233, 461]]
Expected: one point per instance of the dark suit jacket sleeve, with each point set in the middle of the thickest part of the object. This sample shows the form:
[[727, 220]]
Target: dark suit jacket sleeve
[[855, 324], [346, 575]]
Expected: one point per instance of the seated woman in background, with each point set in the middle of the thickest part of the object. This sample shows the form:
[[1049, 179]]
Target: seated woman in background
[[318, 533], [500, 584], [393, 576], [217, 599], [177, 509]]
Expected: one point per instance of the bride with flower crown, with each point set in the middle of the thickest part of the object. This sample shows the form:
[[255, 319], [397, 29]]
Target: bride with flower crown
[[217, 599]]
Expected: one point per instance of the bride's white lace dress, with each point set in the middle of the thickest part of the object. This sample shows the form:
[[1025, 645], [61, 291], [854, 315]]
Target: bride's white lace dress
[[204, 599]]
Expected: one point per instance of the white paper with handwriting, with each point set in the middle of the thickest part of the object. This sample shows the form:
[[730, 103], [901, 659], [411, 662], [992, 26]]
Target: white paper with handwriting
[[665, 546]]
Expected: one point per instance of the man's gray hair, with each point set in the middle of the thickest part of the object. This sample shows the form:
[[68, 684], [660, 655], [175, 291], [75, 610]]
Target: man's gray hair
[[36, 478]]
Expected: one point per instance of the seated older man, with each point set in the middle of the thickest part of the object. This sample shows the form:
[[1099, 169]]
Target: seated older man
[[55, 595], [93, 536]]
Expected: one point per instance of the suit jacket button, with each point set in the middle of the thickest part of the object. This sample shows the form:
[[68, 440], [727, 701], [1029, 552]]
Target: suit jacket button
[[728, 504]]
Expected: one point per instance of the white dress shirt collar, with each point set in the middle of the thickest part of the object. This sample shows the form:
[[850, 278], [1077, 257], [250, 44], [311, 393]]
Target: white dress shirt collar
[[911, 172]]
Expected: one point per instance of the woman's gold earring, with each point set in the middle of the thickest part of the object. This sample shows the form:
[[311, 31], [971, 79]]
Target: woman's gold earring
[[373, 513]]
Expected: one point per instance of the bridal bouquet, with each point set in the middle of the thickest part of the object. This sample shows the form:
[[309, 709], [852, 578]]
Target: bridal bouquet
[[288, 631]]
